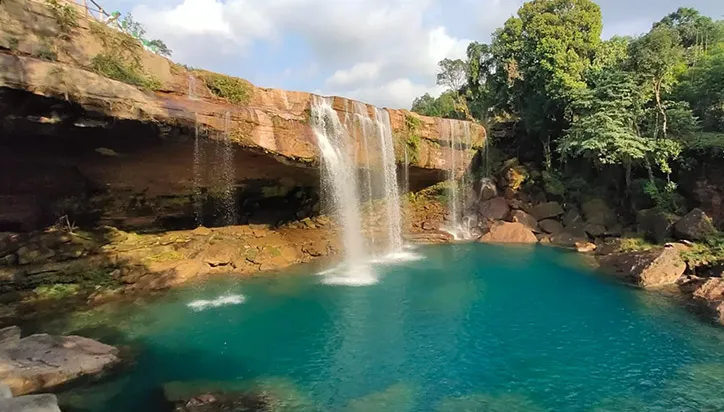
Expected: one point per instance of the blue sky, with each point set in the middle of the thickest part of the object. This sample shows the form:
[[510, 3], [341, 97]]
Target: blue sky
[[383, 52]]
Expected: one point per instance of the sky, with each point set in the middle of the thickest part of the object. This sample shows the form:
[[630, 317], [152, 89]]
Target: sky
[[383, 52]]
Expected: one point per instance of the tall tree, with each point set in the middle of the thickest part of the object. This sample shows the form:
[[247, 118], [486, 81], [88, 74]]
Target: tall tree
[[452, 74], [657, 56], [541, 57]]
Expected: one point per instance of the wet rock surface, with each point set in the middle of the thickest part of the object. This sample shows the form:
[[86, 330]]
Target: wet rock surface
[[41, 362], [651, 268]]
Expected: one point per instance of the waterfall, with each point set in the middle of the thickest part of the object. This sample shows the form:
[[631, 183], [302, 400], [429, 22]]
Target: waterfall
[[461, 222], [198, 200], [339, 177], [391, 190], [452, 183], [360, 117], [406, 173], [198, 154], [228, 176], [192, 87]]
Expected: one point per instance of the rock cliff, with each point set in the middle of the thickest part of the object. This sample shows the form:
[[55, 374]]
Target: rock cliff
[[96, 127]]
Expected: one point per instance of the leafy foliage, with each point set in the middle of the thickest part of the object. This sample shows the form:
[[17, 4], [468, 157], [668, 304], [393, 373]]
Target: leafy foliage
[[113, 67], [443, 106], [235, 90], [66, 18], [708, 252]]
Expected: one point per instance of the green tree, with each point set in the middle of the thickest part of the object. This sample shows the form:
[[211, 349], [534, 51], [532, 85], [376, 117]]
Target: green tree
[[540, 59], [452, 74], [657, 57]]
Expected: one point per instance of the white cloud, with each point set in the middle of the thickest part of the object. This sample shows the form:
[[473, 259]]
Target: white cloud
[[381, 51], [360, 72]]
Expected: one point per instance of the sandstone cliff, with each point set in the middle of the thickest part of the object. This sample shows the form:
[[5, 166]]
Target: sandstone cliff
[[96, 127]]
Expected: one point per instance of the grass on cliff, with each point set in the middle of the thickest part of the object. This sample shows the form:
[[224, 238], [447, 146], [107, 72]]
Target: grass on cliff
[[121, 58], [233, 89], [66, 18], [412, 127], [113, 67]]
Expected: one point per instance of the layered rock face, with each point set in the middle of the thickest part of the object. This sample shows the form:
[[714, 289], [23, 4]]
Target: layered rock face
[[158, 149]]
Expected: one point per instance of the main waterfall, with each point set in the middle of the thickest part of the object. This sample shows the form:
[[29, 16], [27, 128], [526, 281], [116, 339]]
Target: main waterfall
[[347, 189]]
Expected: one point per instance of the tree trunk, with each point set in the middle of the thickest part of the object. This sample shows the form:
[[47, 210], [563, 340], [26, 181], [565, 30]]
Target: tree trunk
[[546, 141], [660, 106]]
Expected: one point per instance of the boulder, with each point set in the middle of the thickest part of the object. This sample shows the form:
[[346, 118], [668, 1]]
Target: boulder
[[488, 190], [710, 296], [9, 336], [696, 225], [547, 210], [30, 403], [585, 247], [494, 209], [551, 226], [5, 392], [656, 224], [40, 362], [594, 229], [652, 268], [568, 239], [519, 216], [598, 212], [506, 232], [572, 218]]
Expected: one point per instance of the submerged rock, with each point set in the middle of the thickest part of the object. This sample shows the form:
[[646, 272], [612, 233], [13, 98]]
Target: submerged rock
[[652, 268], [40, 362], [506, 232], [710, 296], [30, 403]]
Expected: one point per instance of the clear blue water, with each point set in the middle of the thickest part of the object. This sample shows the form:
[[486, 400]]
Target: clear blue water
[[469, 328]]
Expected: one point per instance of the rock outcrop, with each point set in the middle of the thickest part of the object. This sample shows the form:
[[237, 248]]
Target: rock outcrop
[[696, 225], [505, 232], [40, 362], [652, 268], [29, 403], [158, 150], [710, 297]]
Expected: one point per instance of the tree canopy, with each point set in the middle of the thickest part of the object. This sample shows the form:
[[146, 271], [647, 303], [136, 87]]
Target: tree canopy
[[629, 102]]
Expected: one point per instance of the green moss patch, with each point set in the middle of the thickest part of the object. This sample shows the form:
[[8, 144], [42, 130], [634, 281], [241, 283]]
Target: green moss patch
[[233, 89]]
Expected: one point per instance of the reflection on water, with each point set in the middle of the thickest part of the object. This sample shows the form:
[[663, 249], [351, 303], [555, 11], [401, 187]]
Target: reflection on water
[[470, 327]]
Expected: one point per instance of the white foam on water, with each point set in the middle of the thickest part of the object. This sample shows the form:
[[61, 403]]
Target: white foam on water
[[346, 275], [223, 300]]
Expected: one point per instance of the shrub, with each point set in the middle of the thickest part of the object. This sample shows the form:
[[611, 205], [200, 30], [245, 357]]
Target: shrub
[[113, 67], [708, 252], [65, 17], [235, 90]]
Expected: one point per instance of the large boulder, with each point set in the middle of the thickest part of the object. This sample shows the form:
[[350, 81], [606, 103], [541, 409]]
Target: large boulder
[[494, 209], [598, 212], [710, 296], [519, 216], [696, 225], [547, 210], [656, 224], [30, 403], [652, 268], [40, 362], [569, 240], [488, 190], [506, 232], [551, 226]]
